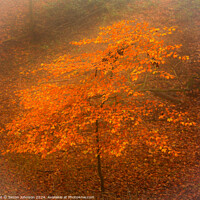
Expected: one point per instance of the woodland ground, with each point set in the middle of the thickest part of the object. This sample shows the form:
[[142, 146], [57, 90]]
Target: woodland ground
[[29, 175]]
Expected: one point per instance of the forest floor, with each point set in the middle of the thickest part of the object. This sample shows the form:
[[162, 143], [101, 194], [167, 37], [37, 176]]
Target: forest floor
[[30, 56], [11, 183]]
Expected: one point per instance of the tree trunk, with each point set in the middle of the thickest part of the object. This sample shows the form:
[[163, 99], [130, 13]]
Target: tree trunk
[[31, 20], [99, 159]]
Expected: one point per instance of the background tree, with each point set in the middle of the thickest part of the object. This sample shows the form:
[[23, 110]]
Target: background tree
[[32, 33]]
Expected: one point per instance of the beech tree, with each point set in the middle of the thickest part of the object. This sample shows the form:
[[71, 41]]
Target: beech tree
[[101, 102]]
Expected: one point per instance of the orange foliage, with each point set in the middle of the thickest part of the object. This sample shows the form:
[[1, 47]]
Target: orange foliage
[[62, 109]]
